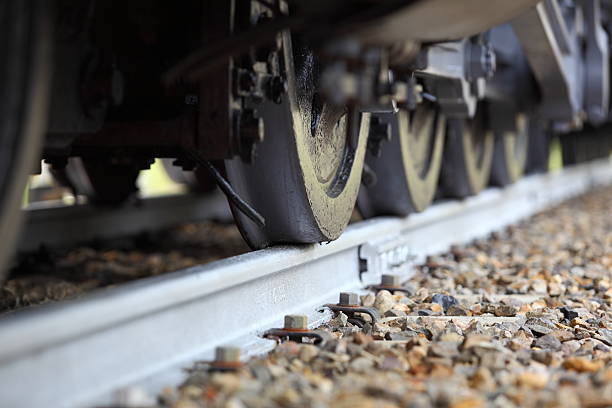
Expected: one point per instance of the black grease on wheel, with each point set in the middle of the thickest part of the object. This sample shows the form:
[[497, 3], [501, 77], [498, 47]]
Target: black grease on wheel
[[510, 153], [408, 168], [467, 156], [305, 179]]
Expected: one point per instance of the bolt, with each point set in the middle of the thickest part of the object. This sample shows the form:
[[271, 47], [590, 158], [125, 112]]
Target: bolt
[[246, 81], [251, 132], [390, 280], [299, 322], [276, 87], [482, 61], [226, 354], [348, 299]]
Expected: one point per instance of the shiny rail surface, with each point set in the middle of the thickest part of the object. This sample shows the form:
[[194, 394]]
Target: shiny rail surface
[[76, 353]]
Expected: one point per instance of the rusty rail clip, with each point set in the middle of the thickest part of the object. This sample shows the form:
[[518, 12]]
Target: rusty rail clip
[[296, 329], [349, 305]]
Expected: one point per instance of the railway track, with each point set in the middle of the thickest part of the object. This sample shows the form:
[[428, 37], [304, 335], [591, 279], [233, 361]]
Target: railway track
[[54, 224], [77, 353]]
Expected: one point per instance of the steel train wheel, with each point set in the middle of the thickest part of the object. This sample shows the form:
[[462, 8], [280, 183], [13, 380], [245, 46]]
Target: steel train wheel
[[414, 151], [25, 52], [103, 182], [306, 176], [467, 156], [510, 153]]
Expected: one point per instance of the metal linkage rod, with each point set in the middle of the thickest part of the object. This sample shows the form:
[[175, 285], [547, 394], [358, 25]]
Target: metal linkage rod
[[229, 192]]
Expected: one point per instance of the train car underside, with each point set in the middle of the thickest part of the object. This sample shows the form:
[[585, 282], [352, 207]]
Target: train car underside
[[299, 110]]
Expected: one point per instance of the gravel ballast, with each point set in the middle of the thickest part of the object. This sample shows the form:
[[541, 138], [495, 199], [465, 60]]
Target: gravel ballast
[[520, 319], [53, 275]]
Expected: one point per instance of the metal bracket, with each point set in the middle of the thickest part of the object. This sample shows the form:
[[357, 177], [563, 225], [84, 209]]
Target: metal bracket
[[320, 337], [352, 310], [456, 72], [551, 47], [393, 256]]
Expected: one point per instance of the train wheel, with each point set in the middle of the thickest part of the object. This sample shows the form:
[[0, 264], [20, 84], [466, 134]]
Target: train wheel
[[467, 156], [25, 52], [307, 172], [414, 151], [103, 182], [510, 153]]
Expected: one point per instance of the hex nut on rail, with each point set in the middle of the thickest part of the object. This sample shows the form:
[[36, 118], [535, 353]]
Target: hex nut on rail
[[296, 322], [349, 304], [227, 358], [348, 299], [392, 283], [296, 329]]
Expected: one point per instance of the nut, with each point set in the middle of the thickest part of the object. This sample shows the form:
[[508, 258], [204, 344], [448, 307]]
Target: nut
[[348, 299], [227, 354], [296, 322], [390, 280]]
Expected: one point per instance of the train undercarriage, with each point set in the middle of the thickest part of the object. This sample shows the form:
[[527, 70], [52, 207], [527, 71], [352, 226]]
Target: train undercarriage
[[299, 111]]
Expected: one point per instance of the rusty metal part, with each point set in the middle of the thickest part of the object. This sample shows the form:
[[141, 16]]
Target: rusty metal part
[[152, 138], [389, 282], [218, 110], [320, 337], [226, 359], [296, 329], [349, 305]]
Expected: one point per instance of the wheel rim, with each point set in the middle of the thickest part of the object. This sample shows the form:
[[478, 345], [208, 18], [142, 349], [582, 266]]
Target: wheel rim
[[415, 150], [424, 142], [304, 195], [510, 153], [330, 133]]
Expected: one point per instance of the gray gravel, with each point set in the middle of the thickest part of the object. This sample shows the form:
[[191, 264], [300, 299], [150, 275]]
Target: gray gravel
[[520, 319]]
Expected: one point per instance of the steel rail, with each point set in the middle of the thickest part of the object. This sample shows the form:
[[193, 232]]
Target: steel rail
[[55, 224], [76, 353]]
